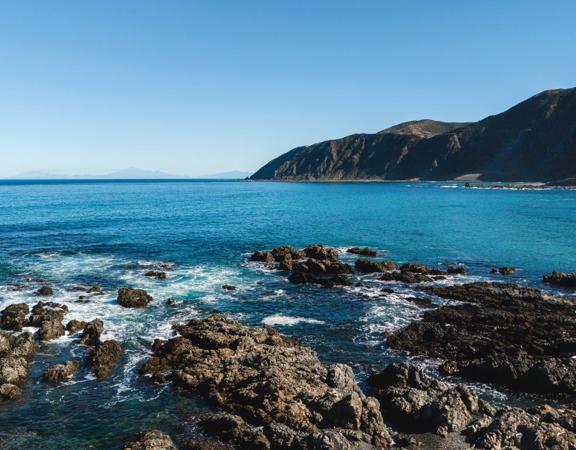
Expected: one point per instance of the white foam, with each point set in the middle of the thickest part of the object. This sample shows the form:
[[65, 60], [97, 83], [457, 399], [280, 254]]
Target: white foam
[[278, 319]]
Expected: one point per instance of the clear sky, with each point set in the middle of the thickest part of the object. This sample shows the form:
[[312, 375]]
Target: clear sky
[[192, 87]]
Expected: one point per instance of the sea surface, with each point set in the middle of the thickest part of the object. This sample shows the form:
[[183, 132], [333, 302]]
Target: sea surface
[[80, 233]]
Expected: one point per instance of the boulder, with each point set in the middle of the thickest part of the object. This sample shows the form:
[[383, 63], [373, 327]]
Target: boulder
[[103, 358], [91, 334], [48, 316], [95, 290], [62, 372], [504, 270], [156, 274], [264, 257], [13, 317], [269, 381], [561, 279], [74, 326], [405, 276], [151, 440], [456, 270], [133, 298], [320, 252], [171, 302]]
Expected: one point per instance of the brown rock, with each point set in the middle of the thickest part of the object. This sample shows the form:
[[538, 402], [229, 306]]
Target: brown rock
[[151, 440], [133, 298], [62, 372], [105, 357]]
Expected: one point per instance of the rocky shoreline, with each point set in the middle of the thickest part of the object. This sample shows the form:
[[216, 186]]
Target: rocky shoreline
[[269, 391]]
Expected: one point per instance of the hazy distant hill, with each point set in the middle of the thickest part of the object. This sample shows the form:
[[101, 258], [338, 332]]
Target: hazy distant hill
[[131, 173], [232, 175], [532, 141]]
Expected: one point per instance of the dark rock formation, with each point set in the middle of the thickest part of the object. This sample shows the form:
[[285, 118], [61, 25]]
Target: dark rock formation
[[45, 291], [362, 251], [133, 298], [504, 270], [504, 334], [74, 326], [95, 290], [156, 274], [270, 381], [62, 372], [16, 351], [405, 276], [456, 270], [365, 266], [151, 440], [91, 334], [13, 317], [229, 287], [416, 403], [48, 317], [533, 140], [171, 302], [105, 357], [561, 279]]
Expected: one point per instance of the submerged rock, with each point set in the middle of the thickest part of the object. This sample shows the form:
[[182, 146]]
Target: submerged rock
[[62, 372], [105, 357], [16, 351], [456, 270], [362, 251], [133, 298], [151, 440], [561, 279], [229, 287], [156, 274], [505, 334], [504, 270], [45, 291], [270, 381], [13, 317]]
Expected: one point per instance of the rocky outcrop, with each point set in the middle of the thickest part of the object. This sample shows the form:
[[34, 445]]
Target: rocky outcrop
[[156, 274], [362, 251], [133, 298], [48, 316], [45, 291], [561, 279], [269, 381], [13, 317], [505, 334], [74, 326], [62, 372], [103, 358], [533, 140], [366, 266], [540, 428], [416, 403], [151, 440], [16, 351], [91, 334]]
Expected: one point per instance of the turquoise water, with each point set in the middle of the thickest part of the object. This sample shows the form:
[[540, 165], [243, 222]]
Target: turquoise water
[[82, 233]]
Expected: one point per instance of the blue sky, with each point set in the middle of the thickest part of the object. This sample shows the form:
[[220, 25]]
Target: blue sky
[[194, 87]]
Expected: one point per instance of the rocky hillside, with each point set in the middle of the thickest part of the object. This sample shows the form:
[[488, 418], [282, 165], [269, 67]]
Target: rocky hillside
[[532, 141]]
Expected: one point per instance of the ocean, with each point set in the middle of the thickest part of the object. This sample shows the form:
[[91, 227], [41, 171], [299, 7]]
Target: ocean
[[81, 233]]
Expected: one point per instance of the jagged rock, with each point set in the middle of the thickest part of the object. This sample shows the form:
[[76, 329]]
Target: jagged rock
[[92, 331], [268, 380], [265, 257], [74, 326], [539, 429], [561, 279], [320, 252], [232, 430], [16, 351], [405, 276], [417, 403], [504, 270], [105, 357], [505, 334], [366, 266], [362, 251], [48, 317], [62, 372], [156, 274], [13, 317], [45, 291], [133, 298], [151, 440]]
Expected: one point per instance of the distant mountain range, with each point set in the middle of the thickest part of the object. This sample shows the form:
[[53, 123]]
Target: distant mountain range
[[126, 174], [532, 141]]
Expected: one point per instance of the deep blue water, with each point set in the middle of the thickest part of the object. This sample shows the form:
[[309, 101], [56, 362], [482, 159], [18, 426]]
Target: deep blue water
[[82, 233]]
